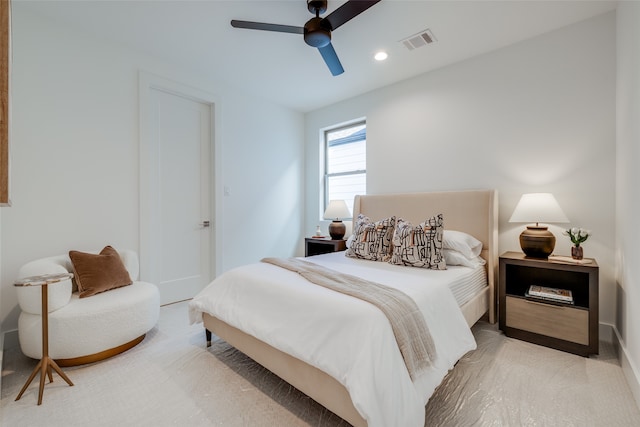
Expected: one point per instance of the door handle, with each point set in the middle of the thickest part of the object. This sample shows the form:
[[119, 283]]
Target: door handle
[[205, 223]]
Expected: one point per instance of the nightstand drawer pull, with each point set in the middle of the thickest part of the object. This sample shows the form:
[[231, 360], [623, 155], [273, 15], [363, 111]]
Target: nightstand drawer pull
[[559, 307]]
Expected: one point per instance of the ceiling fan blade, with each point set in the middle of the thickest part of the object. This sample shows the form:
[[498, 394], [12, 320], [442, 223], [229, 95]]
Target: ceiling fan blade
[[348, 11], [331, 59], [267, 27]]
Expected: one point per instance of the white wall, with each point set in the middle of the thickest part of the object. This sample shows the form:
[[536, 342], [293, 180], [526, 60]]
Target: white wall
[[627, 193], [535, 116], [1, 335], [75, 155]]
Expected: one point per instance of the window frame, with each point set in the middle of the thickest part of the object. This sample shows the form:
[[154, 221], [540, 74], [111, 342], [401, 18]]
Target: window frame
[[326, 174]]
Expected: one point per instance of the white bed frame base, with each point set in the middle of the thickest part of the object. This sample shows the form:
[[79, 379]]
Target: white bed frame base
[[474, 212]]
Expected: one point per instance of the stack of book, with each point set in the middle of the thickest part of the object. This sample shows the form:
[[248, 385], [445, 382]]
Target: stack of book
[[550, 294]]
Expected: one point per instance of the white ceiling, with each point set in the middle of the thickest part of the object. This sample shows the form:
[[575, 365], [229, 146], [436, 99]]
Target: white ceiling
[[282, 68]]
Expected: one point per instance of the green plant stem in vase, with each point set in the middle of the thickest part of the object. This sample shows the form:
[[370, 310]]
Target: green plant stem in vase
[[577, 236]]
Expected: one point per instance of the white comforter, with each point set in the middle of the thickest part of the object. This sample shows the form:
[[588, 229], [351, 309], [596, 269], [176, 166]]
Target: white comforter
[[347, 338]]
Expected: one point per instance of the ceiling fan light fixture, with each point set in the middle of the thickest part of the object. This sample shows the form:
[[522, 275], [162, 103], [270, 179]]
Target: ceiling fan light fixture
[[317, 33], [380, 56]]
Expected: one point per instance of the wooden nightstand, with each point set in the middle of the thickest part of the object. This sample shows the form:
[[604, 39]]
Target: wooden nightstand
[[572, 328], [323, 245]]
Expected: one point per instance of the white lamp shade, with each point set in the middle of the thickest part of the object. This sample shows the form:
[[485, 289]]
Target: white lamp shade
[[538, 207], [337, 209]]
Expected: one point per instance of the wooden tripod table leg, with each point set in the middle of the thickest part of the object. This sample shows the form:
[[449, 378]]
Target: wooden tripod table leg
[[31, 377], [46, 363], [54, 365], [44, 367]]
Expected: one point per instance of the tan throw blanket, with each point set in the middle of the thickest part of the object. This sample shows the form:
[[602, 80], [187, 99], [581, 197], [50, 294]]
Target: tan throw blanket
[[408, 324]]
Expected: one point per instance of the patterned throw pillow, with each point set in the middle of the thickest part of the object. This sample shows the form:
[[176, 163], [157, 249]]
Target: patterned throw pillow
[[419, 246], [372, 240]]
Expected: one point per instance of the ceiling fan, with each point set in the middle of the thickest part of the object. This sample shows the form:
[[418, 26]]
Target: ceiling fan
[[317, 31]]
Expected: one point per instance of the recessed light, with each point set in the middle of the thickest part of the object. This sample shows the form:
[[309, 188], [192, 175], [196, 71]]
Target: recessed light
[[381, 56]]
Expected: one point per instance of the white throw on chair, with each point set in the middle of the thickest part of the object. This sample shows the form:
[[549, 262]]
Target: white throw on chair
[[85, 330]]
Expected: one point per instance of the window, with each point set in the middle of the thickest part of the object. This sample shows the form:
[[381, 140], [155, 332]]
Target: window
[[345, 163]]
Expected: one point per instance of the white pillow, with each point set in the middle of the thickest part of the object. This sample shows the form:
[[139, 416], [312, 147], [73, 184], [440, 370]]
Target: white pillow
[[462, 242], [452, 257]]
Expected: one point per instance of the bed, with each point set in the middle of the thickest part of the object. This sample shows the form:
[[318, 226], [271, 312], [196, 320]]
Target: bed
[[329, 366]]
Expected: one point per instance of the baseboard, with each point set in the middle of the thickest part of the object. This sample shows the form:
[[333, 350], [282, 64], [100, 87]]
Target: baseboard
[[630, 371]]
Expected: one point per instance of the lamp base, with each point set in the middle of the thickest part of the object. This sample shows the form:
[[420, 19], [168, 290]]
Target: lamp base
[[537, 241], [337, 229]]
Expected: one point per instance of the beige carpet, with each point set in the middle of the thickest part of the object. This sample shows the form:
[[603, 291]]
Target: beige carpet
[[171, 379]]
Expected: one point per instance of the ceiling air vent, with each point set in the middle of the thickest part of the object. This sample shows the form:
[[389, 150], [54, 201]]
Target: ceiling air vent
[[420, 39]]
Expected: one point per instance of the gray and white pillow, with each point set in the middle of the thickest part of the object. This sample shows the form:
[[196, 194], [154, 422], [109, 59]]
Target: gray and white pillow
[[371, 240], [419, 245]]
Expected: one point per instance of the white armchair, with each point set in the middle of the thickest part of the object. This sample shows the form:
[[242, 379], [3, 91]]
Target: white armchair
[[85, 330]]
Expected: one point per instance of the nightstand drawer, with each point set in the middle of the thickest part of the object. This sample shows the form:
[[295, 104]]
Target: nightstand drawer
[[318, 246], [562, 322]]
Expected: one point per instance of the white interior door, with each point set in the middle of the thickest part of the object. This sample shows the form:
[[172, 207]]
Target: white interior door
[[176, 243]]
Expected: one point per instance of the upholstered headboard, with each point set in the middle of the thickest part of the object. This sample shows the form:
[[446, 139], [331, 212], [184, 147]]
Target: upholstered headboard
[[474, 212]]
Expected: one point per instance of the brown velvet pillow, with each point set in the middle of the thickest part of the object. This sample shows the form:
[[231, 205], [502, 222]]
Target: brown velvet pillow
[[98, 273]]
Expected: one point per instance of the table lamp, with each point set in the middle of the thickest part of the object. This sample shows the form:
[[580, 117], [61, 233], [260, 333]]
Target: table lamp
[[537, 241], [336, 211]]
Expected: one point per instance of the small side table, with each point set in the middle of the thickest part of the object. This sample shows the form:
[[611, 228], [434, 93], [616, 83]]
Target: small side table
[[323, 245], [46, 363], [566, 327]]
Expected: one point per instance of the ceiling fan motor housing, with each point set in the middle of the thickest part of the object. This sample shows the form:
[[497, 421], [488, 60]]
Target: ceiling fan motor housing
[[317, 32]]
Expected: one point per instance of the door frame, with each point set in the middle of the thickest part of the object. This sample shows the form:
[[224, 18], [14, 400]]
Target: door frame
[[148, 183]]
